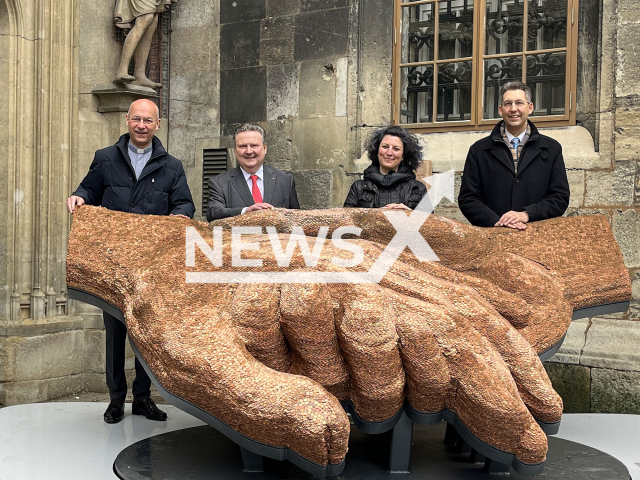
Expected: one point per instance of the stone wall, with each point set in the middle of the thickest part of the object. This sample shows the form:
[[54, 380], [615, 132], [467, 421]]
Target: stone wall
[[40, 336], [194, 87], [53, 54], [286, 67]]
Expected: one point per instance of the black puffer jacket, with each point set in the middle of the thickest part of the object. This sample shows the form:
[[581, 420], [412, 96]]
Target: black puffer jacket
[[161, 189], [377, 190]]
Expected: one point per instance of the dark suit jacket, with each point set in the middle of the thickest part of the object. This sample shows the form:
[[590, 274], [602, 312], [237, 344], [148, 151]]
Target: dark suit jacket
[[490, 186], [229, 192]]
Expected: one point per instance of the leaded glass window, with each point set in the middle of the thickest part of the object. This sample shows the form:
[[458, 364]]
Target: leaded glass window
[[452, 56]]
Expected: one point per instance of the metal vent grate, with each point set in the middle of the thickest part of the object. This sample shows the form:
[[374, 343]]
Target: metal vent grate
[[214, 163]]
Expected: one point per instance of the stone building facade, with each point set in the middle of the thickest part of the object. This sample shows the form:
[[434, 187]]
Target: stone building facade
[[317, 75]]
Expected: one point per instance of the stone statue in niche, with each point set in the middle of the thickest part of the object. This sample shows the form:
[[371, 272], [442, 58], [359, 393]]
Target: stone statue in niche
[[141, 17]]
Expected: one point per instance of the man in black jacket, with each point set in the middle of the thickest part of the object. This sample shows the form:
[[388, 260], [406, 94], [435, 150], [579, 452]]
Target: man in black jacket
[[515, 175], [135, 175]]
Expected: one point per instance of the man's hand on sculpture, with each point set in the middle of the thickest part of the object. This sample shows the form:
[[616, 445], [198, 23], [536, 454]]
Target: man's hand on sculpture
[[258, 206], [514, 226], [273, 360], [513, 219], [397, 206], [74, 201]]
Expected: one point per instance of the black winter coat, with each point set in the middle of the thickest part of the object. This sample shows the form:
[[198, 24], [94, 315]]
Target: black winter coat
[[161, 189], [377, 190], [490, 187]]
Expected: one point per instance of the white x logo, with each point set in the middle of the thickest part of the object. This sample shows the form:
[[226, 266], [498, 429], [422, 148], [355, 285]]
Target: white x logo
[[407, 235]]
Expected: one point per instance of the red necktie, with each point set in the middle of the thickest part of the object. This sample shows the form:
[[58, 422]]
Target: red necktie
[[255, 191]]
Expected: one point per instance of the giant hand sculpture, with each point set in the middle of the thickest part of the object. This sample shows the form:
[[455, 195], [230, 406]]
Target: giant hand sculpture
[[273, 360]]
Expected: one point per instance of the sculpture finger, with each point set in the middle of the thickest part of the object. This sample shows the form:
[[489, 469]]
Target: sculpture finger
[[516, 310], [465, 305], [309, 325], [550, 313], [201, 359], [368, 339], [482, 392], [429, 384], [255, 313]]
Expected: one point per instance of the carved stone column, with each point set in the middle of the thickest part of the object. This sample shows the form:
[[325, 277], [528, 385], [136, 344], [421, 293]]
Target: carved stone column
[[40, 342]]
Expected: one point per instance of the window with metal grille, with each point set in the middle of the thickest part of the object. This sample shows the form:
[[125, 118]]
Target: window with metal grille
[[452, 56], [214, 163]]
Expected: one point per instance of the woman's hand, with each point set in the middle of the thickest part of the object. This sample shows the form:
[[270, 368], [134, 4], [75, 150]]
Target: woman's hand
[[397, 206]]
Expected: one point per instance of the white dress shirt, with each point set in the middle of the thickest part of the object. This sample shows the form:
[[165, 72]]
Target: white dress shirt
[[511, 137]]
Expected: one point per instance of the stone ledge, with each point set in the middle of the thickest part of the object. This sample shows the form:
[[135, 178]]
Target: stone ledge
[[578, 148], [32, 328], [41, 357], [32, 391], [571, 349], [612, 344], [118, 98], [449, 150], [598, 367], [603, 343], [46, 326]]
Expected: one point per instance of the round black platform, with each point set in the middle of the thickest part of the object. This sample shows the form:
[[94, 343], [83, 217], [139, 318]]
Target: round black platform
[[201, 453]]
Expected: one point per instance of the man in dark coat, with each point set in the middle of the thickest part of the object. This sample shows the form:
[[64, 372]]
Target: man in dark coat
[[135, 175], [251, 185], [515, 175]]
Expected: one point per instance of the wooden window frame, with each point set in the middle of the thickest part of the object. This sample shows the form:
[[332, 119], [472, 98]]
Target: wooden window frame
[[477, 122]]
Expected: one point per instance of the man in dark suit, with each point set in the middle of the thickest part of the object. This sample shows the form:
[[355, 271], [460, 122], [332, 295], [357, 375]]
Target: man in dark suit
[[515, 175], [135, 175], [251, 185]]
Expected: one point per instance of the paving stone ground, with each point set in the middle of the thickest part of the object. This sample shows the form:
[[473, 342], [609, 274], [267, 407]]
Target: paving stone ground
[[104, 397]]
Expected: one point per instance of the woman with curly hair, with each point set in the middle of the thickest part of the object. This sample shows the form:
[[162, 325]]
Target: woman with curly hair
[[390, 180]]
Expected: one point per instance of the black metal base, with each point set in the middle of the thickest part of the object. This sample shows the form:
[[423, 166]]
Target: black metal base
[[201, 453], [605, 309]]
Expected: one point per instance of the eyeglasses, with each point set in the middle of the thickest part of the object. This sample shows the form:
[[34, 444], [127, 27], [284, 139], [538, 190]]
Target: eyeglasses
[[518, 104], [147, 121]]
